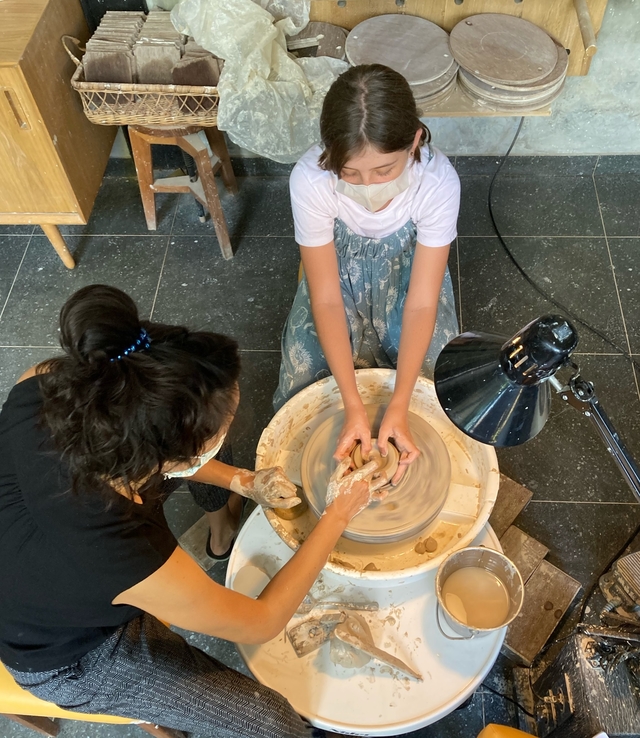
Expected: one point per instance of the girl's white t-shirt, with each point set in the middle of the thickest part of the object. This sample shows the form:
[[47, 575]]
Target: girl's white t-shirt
[[431, 201]]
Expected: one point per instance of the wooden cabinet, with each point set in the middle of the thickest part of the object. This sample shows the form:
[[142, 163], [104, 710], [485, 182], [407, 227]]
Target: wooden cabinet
[[52, 158]]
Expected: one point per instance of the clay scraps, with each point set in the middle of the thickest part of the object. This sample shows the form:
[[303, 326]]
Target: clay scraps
[[351, 640]]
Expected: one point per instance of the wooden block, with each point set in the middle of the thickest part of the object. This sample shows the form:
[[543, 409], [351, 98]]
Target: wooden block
[[512, 500], [547, 597], [525, 552]]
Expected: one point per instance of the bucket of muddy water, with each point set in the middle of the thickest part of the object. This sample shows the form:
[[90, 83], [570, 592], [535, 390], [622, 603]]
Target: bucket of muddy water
[[479, 591]]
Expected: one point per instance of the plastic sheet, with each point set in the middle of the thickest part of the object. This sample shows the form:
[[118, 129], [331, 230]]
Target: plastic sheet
[[270, 102]]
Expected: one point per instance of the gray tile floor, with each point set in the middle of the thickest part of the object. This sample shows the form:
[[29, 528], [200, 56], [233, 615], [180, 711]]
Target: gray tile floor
[[573, 223]]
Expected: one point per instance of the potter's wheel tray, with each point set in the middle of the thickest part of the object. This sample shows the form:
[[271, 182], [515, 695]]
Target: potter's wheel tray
[[409, 507]]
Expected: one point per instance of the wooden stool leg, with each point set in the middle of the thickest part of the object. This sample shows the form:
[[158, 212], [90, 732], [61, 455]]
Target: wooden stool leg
[[53, 234], [144, 167], [203, 162], [219, 148], [159, 731], [42, 725]]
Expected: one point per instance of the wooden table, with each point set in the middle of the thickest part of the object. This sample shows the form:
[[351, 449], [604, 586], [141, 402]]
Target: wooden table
[[52, 159]]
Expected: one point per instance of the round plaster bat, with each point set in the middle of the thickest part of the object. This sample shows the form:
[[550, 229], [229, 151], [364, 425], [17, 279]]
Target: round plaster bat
[[409, 507], [503, 48]]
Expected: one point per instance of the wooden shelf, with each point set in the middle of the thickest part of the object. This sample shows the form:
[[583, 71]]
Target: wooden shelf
[[459, 105]]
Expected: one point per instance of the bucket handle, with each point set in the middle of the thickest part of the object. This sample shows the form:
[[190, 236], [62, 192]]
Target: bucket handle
[[446, 635], [72, 56]]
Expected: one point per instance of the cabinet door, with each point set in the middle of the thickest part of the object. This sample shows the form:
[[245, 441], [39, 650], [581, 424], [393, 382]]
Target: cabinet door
[[32, 179]]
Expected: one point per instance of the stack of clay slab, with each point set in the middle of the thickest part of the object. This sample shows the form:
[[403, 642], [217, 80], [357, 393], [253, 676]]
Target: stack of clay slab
[[507, 63], [412, 46]]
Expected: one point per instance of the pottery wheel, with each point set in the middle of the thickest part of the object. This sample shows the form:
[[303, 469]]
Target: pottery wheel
[[409, 507], [503, 48], [414, 47]]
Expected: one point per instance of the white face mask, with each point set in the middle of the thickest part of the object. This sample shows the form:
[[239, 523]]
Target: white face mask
[[374, 196], [202, 460]]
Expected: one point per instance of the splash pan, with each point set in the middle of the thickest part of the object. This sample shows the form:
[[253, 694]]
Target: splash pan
[[468, 502]]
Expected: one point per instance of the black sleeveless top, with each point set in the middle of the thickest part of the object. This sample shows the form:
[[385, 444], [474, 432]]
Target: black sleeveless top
[[63, 557]]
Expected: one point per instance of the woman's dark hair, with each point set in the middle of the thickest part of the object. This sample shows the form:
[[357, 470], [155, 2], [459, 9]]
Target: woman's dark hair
[[368, 105], [120, 419]]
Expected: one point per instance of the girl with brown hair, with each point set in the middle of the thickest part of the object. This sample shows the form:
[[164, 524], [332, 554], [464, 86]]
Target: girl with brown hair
[[375, 210]]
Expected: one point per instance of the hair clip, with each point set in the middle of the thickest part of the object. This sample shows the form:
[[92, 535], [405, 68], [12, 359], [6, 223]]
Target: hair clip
[[142, 343]]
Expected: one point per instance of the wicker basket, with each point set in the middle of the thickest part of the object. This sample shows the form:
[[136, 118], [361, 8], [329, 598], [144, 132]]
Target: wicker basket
[[132, 104]]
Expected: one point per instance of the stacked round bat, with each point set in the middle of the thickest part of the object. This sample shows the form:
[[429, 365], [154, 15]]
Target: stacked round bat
[[508, 63], [412, 46]]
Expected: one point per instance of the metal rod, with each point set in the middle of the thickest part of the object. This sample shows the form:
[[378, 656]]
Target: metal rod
[[580, 394], [586, 27]]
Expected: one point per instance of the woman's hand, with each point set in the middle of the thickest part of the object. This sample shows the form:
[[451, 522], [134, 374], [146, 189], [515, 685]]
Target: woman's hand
[[355, 428], [268, 487], [395, 424], [349, 492]]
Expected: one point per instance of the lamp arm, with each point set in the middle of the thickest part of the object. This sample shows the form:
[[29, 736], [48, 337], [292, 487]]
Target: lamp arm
[[581, 395]]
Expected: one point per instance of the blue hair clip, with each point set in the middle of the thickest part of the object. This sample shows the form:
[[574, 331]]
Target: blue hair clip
[[142, 343]]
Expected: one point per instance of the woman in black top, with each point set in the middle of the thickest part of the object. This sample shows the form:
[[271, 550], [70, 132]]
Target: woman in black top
[[88, 567]]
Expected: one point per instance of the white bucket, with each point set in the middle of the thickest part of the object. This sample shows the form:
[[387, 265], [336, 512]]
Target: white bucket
[[489, 560]]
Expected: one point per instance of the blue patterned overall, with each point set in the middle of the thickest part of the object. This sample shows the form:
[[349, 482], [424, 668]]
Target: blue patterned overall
[[374, 281]]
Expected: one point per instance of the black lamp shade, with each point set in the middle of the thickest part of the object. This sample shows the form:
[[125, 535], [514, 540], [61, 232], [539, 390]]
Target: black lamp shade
[[481, 399], [495, 389]]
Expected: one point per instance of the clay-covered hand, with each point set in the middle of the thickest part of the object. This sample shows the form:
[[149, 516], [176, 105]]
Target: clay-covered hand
[[349, 492], [395, 424], [355, 428], [267, 487]]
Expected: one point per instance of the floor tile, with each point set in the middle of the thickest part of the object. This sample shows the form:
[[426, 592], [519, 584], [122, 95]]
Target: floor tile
[[499, 711], [118, 211], [466, 721], [130, 263], [12, 250], [539, 206], [474, 217], [248, 297], [497, 299], [625, 254], [258, 382], [16, 230], [618, 195], [582, 538], [261, 208], [618, 165], [567, 460], [538, 166], [15, 361], [479, 165]]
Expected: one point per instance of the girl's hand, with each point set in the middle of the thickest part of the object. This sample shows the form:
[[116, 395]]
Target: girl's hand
[[268, 487], [349, 492], [395, 425], [355, 428]]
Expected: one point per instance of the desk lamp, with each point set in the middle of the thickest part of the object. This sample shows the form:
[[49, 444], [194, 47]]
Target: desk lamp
[[498, 390]]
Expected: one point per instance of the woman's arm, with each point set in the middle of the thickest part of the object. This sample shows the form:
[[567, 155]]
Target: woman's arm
[[418, 322], [321, 269], [182, 594]]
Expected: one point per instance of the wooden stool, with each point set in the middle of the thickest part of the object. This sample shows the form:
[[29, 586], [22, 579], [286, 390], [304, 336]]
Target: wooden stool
[[204, 189]]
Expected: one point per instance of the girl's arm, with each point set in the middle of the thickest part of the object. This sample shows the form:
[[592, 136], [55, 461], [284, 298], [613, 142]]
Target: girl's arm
[[321, 269], [418, 322], [182, 594]]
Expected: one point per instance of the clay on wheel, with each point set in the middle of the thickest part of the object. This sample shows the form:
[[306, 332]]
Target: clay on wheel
[[387, 465], [409, 507]]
